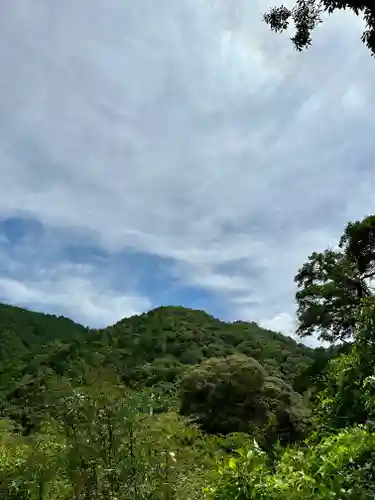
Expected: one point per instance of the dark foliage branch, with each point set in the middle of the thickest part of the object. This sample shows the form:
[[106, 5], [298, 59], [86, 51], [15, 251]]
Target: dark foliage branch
[[306, 15]]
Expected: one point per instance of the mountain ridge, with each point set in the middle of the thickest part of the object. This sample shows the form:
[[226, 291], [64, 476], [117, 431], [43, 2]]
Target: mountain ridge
[[23, 330], [154, 349]]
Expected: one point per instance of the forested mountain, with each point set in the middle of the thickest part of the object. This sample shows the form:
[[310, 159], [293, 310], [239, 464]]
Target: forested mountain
[[22, 331], [153, 348], [174, 404], [162, 341]]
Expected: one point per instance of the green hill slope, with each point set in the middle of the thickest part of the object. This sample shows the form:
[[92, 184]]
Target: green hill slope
[[155, 347], [170, 337], [152, 349], [23, 331]]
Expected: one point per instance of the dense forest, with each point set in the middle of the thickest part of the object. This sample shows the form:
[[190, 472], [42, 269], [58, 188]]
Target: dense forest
[[176, 404]]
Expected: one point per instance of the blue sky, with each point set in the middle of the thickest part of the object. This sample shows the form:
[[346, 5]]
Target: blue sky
[[175, 153]]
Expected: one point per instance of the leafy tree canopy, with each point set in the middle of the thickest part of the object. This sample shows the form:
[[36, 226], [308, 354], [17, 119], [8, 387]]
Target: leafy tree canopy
[[333, 282], [306, 15], [235, 394]]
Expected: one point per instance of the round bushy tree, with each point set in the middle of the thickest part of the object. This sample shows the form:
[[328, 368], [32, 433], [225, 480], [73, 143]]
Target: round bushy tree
[[235, 394], [225, 394]]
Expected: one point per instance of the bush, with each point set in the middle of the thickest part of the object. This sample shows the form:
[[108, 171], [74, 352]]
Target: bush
[[340, 467]]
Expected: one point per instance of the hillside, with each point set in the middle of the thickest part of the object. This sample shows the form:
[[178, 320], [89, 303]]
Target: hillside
[[161, 398], [163, 341], [174, 404], [152, 349], [23, 331]]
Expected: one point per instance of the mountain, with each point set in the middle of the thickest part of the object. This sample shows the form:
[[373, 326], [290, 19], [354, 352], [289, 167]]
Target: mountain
[[152, 349], [23, 331], [155, 347], [165, 340]]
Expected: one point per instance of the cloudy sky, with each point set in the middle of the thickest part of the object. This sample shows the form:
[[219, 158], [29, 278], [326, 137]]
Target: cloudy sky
[[163, 152]]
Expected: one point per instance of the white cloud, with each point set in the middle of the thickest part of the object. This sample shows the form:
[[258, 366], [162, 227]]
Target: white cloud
[[72, 290], [282, 322], [189, 131]]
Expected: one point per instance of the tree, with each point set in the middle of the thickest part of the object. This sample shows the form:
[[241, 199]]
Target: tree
[[332, 284], [287, 414], [347, 389], [235, 394], [306, 15], [225, 394]]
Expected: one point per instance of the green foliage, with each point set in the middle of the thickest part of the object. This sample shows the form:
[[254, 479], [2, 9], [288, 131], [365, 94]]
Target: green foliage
[[84, 434], [346, 396], [241, 477], [94, 414], [312, 379], [107, 442], [97, 417], [235, 394], [340, 466], [183, 337], [225, 394], [306, 16], [333, 283], [33, 468], [340, 403], [22, 331], [288, 417], [153, 349]]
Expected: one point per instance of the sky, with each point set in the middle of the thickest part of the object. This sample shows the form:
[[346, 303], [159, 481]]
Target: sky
[[175, 153]]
